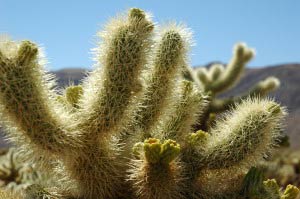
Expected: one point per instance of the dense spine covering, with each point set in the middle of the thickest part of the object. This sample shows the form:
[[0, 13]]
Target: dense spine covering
[[249, 131], [27, 102], [170, 54], [189, 106], [87, 133]]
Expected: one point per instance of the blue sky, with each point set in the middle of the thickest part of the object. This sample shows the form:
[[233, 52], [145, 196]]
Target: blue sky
[[67, 28]]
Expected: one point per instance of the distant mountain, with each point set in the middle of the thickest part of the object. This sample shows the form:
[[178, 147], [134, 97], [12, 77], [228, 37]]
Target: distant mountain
[[288, 94], [69, 76]]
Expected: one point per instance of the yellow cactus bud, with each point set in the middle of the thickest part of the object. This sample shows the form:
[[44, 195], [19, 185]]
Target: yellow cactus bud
[[198, 137], [152, 148], [291, 192], [169, 151]]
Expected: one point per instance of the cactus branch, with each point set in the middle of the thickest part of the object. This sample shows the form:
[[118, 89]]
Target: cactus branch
[[169, 56], [124, 54], [233, 71], [27, 101], [244, 135], [187, 109]]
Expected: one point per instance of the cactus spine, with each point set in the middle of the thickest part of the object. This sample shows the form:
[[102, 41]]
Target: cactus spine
[[88, 144]]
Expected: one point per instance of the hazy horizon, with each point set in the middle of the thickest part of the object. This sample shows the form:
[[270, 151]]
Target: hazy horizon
[[67, 29]]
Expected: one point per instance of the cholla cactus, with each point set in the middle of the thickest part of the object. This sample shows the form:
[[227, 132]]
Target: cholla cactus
[[17, 174], [218, 79], [129, 102]]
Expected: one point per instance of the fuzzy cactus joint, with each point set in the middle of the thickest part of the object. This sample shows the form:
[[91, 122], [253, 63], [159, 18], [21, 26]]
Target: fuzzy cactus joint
[[138, 125]]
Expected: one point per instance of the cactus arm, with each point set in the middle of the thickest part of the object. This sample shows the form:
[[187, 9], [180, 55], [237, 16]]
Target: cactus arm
[[242, 55], [206, 76], [157, 174], [216, 71], [108, 92], [245, 135], [27, 101], [203, 78], [262, 88], [186, 111], [169, 56]]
